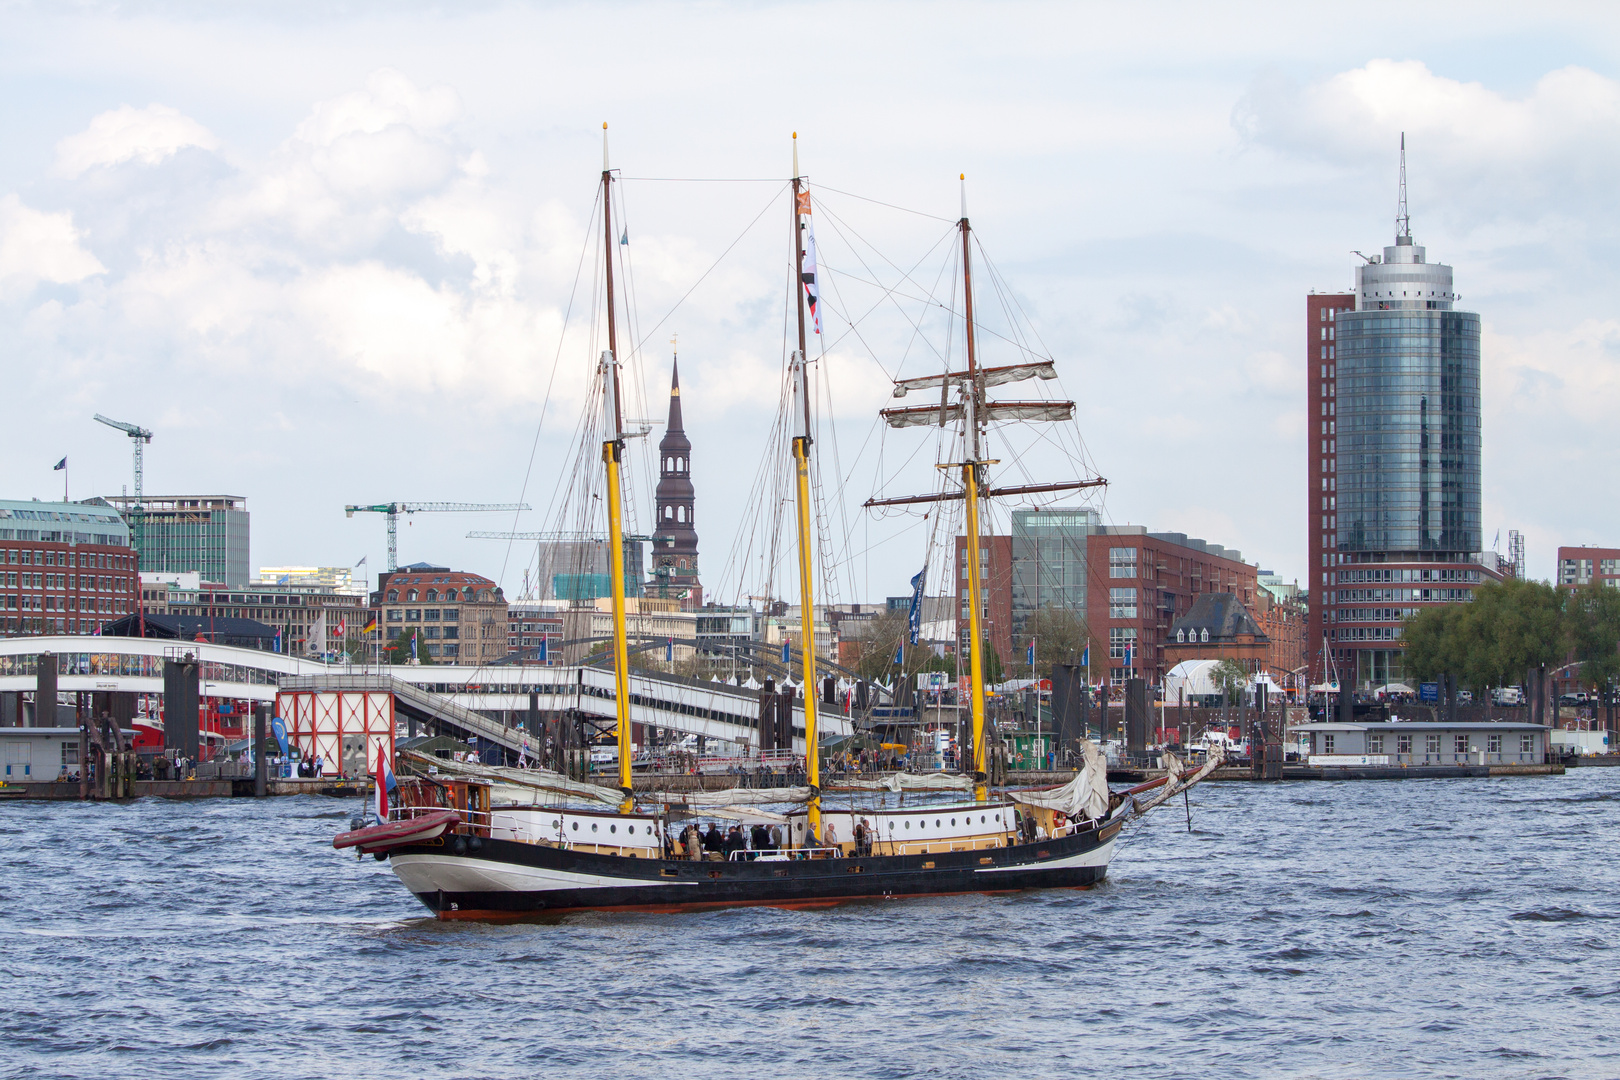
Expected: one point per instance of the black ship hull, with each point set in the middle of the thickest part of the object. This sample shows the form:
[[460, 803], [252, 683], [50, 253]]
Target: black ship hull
[[504, 879]]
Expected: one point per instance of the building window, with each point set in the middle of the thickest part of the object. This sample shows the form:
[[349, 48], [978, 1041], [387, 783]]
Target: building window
[[452, 650], [1493, 743], [1122, 603], [410, 597], [1121, 562], [1403, 744], [449, 595], [452, 614], [431, 632], [1527, 743], [395, 615], [1118, 638], [413, 615], [1327, 742], [1460, 743], [430, 614], [393, 596], [1431, 745], [432, 595], [451, 632], [1375, 744]]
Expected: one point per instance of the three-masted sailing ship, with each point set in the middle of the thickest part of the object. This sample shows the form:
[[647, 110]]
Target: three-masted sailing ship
[[465, 856]]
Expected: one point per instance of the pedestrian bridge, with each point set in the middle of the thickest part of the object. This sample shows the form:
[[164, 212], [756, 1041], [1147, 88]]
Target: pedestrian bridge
[[485, 701]]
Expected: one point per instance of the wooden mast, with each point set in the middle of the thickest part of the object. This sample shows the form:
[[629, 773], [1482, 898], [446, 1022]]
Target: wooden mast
[[801, 467], [972, 478], [612, 455]]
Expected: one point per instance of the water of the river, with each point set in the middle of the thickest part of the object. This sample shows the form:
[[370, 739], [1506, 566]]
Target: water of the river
[[1423, 928]]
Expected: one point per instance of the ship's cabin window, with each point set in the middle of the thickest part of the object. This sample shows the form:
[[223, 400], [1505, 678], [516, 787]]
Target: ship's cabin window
[[1403, 744], [576, 826], [593, 826], [1375, 744]]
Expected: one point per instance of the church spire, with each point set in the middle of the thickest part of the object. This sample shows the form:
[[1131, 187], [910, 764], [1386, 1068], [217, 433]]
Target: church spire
[[675, 422]]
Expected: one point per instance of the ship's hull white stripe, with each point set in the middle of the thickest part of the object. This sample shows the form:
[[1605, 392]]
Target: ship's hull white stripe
[[1097, 856], [451, 874]]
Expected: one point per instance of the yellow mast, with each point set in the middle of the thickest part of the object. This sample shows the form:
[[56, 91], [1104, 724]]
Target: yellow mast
[[972, 477], [801, 465], [612, 454]]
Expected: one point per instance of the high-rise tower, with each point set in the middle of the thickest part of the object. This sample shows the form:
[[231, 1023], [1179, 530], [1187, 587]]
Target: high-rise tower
[[1395, 516], [675, 539]]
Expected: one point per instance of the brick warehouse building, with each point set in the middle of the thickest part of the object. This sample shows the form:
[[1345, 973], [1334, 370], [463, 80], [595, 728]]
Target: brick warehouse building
[[65, 568], [461, 617], [1129, 584]]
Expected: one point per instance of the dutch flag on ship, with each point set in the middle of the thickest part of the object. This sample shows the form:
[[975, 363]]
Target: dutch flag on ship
[[386, 783]]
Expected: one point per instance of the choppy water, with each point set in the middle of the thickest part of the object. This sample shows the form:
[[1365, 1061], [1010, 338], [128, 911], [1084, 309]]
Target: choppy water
[[1442, 928]]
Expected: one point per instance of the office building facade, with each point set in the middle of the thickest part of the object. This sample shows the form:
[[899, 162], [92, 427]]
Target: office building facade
[[65, 568], [205, 534], [1394, 502]]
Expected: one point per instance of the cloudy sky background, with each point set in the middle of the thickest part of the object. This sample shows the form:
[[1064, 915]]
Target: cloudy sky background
[[326, 256]]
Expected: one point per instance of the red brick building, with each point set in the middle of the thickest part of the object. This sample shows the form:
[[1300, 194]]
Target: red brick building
[[65, 568], [1583, 565], [460, 618], [1322, 484]]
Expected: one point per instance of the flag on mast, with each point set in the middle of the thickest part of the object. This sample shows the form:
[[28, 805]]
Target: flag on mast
[[915, 617], [59, 466], [812, 289], [385, 783]]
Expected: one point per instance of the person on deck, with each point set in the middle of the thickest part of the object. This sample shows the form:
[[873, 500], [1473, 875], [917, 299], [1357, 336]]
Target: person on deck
[[713, 842], [735, 841], [760, 838], [829, 835]]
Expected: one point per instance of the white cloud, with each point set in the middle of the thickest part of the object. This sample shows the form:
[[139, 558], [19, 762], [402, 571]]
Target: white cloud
[[36, 246], [123, 134]]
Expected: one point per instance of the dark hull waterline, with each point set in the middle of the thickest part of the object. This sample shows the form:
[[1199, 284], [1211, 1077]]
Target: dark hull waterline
[[505, 879]]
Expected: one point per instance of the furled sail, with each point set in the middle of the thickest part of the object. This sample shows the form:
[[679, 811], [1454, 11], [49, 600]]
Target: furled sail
[[996, 376], [989, 412], [1084, 797]]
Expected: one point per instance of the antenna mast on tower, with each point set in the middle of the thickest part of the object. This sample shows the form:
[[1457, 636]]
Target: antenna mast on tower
[[1403, 218]]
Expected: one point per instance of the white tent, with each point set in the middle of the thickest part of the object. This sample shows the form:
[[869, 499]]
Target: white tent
[[1194, 677]]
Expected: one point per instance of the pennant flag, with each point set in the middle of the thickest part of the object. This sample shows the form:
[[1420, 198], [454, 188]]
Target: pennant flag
[[915, 618], [900, 654], [386, 783], [624, 238], [277, 646], [413, 645], [59, 466], [1085, 656], [361, 563], [812, 290], [342, 626], [1127, 654], [669, 651], [279, 730]]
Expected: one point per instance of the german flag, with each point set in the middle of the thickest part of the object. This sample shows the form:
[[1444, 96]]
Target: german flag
[[370, 626]]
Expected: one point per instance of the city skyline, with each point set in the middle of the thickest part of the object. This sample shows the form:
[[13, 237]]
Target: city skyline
[[364, 267]]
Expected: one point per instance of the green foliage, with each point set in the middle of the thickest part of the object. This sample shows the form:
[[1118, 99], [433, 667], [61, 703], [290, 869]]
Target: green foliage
[[1593, 617], [398, 651], [1061, 636], [1230, 677], [1509, 628]]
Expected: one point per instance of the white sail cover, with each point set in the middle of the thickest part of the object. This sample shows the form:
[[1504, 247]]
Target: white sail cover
[[912, 782], [991, 412], [996, 376], [1086, 796]]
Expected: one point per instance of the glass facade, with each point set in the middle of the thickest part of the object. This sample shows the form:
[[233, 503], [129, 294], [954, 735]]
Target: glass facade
[[1049, 561], [1408, 429]]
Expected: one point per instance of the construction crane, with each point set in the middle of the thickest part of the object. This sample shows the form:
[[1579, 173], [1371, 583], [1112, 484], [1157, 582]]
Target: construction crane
[[394, 509], [139, 436]]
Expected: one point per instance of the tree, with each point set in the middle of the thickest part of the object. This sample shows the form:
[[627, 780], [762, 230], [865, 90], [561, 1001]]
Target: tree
[[1061, 637], [1592, 618], [398, 651], [1231, 678]]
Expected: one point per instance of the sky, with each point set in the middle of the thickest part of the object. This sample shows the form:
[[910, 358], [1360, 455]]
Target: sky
[[332, 254]]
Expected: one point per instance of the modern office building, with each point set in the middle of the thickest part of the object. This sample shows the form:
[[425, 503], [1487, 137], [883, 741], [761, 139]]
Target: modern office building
[[1394, 512], [338, 578], [312, 618], [177, 534], [1584, 565], [65, 568]]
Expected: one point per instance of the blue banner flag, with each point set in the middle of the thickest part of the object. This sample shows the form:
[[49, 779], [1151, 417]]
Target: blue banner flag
[[1031, 652], [1085, 656], [669, 651], [59, 466], [917, 584], [279, 730], [278, 641], [787, 654], [413, 646], [543, 643], [900, 654]]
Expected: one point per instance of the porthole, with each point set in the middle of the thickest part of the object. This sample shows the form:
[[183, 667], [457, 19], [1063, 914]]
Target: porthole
[[593, 826], [631, 829], [981, 819], [613, 828], [891, 826], [998, 818], [908, 824], [953, 821], [937, 823], [556, 824], [576, 826]]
